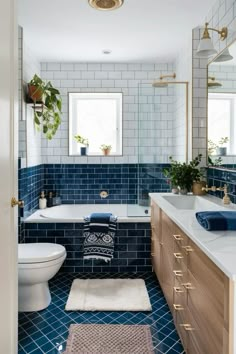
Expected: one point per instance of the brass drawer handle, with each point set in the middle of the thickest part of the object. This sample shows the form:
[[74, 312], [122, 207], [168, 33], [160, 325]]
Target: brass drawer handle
[[178, 255], [153, 254], [188, 286], [178, 273], [187, 326], [188, 248], [161, 243], [177, 289], [178, 237], [178, 307]]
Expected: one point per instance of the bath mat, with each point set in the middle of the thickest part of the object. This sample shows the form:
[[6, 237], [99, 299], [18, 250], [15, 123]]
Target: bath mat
[[107, 339], [108, 295]]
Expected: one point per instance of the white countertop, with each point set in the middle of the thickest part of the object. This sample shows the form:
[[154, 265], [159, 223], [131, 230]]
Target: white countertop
[[219, 246]]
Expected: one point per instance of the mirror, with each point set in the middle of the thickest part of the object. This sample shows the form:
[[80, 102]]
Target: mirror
[[222, 108]]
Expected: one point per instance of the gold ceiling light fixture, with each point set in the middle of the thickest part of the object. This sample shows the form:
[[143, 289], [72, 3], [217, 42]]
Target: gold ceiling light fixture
[[212, 82], [162, 83], [205, 47], [105, 5]]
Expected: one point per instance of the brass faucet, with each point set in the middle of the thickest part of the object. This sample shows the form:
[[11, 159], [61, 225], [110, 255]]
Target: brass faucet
[[226, 199]]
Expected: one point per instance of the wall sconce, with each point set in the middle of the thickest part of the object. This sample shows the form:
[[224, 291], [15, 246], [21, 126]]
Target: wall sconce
[[205, 47], [224, 56], [163, 84], [212, 82]]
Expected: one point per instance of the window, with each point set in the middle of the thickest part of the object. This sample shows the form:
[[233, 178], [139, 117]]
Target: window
[[221, 113], [98, 118]]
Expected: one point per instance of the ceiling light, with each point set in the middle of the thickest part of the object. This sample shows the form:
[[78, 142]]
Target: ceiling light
[[224, 56], [212, 82], [106, 4], [163, 83], [205, 47], [106, 51]]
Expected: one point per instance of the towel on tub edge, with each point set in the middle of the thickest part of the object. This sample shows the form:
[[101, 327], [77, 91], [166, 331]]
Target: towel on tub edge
[[99, 234]]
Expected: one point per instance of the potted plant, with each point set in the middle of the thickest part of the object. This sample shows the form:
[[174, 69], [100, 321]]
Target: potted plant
[[106, 149], [84, 142], [48, 113], [218, 148], [183, 175]]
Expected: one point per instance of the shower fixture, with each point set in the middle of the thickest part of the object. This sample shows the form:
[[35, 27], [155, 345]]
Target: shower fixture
[[163, 83], [106, 4], [212, 83]]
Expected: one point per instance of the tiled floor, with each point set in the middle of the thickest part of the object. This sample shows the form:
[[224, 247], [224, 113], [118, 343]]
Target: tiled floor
[[46, 331]]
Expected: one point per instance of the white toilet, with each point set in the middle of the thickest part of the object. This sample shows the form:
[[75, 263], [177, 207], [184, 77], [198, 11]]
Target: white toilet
[[37, 264]]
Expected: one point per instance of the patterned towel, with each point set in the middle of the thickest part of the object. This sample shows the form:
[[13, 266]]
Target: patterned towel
[[99, 233]]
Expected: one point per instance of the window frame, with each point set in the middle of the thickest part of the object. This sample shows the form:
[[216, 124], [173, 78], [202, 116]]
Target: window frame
[[73, 124]]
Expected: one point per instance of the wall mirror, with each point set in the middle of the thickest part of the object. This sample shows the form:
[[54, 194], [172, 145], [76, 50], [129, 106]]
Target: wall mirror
[[222, 108]]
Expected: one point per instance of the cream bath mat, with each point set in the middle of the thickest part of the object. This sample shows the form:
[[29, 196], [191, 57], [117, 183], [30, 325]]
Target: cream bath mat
[[108, 295]]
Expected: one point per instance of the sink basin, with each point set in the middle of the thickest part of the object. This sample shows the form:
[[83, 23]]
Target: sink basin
[[191, 202]]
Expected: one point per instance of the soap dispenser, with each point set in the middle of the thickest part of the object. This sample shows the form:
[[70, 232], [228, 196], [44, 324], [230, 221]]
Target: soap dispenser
[[50, 200], [42, 201]]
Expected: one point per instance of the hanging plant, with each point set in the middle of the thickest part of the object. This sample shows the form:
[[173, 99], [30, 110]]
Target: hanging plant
[[48, 114]]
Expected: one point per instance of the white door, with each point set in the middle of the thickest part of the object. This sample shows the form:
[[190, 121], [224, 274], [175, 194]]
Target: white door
[[8, 177]]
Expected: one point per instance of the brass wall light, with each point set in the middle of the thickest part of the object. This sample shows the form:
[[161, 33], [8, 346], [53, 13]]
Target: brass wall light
[[106, 4], [205, 47], [161, 83]]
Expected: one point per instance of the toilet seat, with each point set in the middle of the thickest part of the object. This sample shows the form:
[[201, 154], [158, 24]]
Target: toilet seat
[[33, 253]]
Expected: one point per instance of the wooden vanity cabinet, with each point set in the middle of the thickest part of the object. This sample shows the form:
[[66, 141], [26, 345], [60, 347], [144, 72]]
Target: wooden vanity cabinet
[[196, 290]]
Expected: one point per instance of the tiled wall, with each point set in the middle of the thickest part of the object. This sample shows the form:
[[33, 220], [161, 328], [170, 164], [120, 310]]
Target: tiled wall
[[132, 246], [82, 184], [112, 77], [31, 183]]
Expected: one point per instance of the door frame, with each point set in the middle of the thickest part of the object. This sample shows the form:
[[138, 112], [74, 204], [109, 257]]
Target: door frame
[[8, 176]]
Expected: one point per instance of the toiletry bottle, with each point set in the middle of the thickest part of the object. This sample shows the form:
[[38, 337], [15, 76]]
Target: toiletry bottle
[[42, 201], [50, 200]]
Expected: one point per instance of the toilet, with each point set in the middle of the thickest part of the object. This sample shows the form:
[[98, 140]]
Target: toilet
[[37, 264]]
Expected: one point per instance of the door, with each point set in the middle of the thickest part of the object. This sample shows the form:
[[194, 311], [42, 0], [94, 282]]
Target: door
[[8, 176]]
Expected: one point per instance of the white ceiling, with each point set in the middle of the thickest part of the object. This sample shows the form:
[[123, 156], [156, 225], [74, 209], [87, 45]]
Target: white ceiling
[[139, 31]]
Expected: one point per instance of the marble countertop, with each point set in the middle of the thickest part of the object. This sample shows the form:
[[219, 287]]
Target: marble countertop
[[219, 246]]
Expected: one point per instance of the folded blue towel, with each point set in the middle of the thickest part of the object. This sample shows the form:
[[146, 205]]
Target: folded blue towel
[[102, 218], [217, 220]]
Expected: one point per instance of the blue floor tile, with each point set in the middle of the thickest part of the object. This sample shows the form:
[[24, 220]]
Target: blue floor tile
[[45, 332]]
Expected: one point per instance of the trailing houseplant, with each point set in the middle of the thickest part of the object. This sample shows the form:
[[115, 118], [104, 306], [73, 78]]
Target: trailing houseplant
[[48, 114], [183, 175]]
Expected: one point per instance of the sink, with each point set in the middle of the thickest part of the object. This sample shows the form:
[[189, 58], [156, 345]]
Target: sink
[[191, 202]]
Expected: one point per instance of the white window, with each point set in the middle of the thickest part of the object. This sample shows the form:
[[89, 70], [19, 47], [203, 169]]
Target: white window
[[96, 117]]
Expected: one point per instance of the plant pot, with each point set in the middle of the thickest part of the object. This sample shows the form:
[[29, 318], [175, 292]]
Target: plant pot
[[222, 151], [35, 93], [197, 188], [174, 190], [106, 152], [183, 191], [83, 151]]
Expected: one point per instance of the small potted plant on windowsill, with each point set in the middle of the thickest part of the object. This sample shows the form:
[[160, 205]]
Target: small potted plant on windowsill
[[106, 149], [218, 148], [85, 144], [48, 113]]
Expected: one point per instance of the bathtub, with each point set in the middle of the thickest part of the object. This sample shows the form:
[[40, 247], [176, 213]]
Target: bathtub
[[76, 212]]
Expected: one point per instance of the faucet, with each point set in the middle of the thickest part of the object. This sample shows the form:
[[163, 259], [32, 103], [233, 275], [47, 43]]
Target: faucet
[[226, 199]]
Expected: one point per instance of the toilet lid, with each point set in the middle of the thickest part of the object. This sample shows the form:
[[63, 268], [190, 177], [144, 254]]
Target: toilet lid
[[39, 252]]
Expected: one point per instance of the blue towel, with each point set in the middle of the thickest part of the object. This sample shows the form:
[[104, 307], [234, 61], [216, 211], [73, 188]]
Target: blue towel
[[99, 234], [217, 220]]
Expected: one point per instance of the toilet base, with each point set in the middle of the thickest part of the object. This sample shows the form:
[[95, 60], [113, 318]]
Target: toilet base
[[33, 297]]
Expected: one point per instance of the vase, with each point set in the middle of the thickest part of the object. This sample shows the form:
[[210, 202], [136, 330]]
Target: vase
[[197, 188], [221, 151], [183, 191], [83, 151], [174, 190]]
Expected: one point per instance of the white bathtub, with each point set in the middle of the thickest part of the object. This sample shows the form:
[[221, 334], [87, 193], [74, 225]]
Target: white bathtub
[[76, 213]]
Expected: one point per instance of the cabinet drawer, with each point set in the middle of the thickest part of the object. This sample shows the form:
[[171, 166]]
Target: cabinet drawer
[[208, 276]]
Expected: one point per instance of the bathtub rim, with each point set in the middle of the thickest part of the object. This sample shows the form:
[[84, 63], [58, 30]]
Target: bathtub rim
[[35, 217]]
